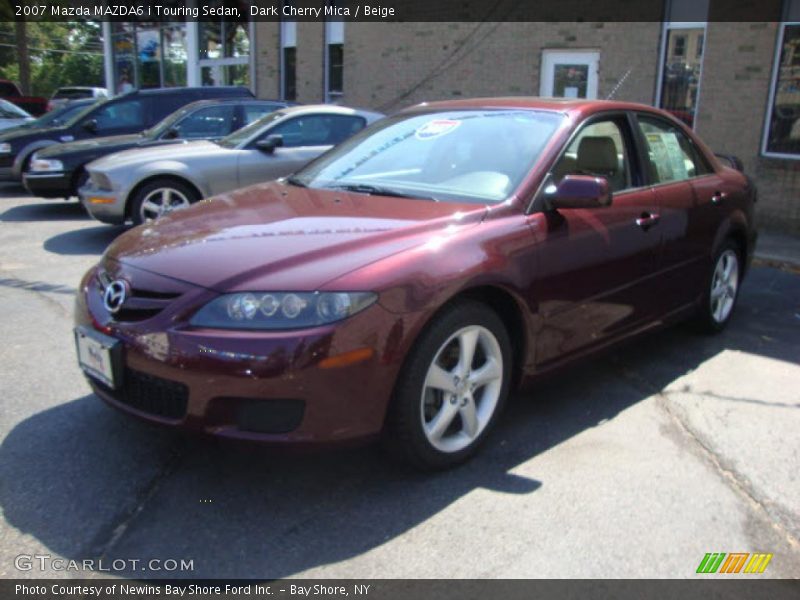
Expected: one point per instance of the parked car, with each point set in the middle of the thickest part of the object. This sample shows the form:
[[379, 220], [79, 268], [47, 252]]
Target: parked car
[[59, 170], [12, 115], [35, 105], [147, 183], [403, 282], [128, 113], [65, 94]]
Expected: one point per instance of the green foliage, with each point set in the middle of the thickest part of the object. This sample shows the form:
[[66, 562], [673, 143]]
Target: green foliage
[[82, 64]]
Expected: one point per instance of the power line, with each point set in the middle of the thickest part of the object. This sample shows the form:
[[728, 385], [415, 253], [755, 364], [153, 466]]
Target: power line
[[57, 51]]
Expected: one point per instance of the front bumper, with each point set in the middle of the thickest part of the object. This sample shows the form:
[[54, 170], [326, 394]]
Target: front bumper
[[104, 205], [48, 185], [7, 174], [272, 387]]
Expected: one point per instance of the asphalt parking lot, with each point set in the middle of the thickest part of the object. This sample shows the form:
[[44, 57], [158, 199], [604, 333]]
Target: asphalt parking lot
[[634, 464]]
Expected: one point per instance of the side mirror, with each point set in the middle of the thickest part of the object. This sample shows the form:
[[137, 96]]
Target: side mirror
[[171, 133], [578, 191], [91, 125], [269, 144]]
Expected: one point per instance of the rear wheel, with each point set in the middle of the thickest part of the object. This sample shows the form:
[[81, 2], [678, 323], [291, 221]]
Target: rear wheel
[[161, 197], [452, 388], [722, 288]]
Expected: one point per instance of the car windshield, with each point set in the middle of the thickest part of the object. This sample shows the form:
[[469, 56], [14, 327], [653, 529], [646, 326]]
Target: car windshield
[[11, 111], [75, 117], [72, 93], [167, 122], [245, 133], [476, 156], [60, 115]]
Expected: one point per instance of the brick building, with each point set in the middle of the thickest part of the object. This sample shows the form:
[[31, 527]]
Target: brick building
[[736, 83]]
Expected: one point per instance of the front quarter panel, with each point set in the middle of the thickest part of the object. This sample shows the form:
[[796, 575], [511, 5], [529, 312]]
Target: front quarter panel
[[498, 254]]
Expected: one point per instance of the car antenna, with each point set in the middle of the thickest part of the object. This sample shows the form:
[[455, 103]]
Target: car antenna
[[619, 84]]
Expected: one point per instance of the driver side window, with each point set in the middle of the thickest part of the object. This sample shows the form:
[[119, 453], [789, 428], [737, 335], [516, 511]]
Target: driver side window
[[599, 150], [317, 130], [120, 115]]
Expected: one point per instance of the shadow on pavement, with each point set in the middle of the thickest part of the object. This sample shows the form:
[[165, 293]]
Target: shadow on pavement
[[10, 189], [92, 240], [76, 475], [54, 210]]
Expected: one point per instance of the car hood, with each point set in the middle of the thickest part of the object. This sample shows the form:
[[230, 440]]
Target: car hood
[[102, 143], [24, 134], [280, 237], [6, 124], [145, 154]]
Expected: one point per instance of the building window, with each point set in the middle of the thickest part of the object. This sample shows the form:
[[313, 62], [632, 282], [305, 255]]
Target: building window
[[224, 48], [682, 57], [782, 135], [334, 57], [335, 69], [288, 60], [679, 45], [148, 55]]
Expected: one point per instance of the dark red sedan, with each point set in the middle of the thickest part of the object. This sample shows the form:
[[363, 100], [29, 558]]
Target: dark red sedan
[[403, 282]]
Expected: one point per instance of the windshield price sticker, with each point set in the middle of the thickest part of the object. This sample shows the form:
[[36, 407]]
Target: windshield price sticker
[[437, 128]]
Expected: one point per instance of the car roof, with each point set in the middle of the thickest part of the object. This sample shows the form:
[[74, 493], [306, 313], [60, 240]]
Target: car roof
[[229, 99], [332, 109], [568, 106], [221, 89]]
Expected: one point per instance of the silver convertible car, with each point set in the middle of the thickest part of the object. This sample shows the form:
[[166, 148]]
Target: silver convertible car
[[144, 184]]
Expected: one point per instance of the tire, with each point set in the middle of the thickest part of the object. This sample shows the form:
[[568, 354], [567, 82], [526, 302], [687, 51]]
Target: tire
[[168, 193], [722, 289], [81, 179], [429, 424]]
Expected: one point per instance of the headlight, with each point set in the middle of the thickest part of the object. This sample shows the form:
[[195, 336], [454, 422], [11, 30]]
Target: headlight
[[5, 148], [280, 310], [44, 164], [100, 181]]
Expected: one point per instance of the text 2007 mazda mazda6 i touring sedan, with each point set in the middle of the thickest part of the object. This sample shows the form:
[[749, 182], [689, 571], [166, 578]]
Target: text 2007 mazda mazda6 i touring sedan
[[400, 284]]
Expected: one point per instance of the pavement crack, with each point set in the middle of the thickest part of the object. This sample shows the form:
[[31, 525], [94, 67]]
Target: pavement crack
[[735, 480], [116, 530]]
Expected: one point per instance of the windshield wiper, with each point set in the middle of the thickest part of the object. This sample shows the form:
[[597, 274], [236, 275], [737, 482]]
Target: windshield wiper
[[374, 190], [292, 180]]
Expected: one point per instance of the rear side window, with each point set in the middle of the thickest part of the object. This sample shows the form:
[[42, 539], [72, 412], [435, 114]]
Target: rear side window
[[317, 130], [127, 114], [72, 93], [670, 153], [209, 122]]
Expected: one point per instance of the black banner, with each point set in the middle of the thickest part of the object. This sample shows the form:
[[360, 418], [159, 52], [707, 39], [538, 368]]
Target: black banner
[[733, 588], [389, 10]]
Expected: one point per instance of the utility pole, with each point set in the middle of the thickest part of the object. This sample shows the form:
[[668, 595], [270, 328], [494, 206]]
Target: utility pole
[[21, 30]]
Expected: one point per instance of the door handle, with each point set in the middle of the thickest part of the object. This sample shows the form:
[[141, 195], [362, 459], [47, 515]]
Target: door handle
[[647, 220], [718, 197]]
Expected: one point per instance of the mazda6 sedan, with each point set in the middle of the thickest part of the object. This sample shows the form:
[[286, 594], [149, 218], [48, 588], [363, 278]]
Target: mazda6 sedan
[[403, 283]]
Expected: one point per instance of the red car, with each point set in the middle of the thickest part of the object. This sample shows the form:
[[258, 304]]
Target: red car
[[401, 284]]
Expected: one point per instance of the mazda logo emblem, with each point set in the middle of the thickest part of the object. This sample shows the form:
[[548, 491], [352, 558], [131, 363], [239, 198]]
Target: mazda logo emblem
[[115, 295]]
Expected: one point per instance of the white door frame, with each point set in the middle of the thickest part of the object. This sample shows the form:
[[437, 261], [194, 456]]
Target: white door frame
[[560, 56]]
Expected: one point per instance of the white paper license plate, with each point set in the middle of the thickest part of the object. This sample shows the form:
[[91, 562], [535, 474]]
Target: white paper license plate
[[96, 355]]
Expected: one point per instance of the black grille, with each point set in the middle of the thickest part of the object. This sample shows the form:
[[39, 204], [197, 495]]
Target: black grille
[[141, 305], [149, 394]]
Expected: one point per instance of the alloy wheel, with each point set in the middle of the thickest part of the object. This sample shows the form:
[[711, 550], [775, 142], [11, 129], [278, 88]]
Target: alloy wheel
[[162, 201], [724, 285], [462, 388]]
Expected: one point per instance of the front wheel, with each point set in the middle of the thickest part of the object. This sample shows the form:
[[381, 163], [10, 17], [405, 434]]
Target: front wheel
[[161, 197], [451, 389], [722, 289]]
